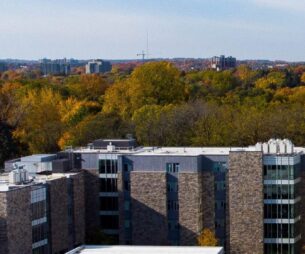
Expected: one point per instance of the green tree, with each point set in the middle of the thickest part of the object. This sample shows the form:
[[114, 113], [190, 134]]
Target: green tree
[[9, 146]]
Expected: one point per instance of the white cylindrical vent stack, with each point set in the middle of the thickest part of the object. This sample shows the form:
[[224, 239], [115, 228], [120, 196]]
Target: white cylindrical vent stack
[[14, 177], [282, 147], [289, 146], [259, 147], [110, 147], [24, 175], [273, 147], [266, 148]]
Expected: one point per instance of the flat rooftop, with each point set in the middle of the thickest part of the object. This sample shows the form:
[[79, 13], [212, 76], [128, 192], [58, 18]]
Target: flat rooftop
[[39, 179], [176, 151], [145, 250]]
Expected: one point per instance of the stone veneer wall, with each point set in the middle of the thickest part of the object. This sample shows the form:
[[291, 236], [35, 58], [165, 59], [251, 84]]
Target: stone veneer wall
[[149, 208], [92, 217], [208, 201], [3, 224], [246, 203], [15, 217], [79, 207], [190, 207], [59, 215]]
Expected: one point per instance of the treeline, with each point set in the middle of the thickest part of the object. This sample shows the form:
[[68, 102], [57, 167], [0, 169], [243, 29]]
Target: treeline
[[155, 102]]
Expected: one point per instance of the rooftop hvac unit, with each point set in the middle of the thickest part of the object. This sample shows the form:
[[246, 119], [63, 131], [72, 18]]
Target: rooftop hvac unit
[[266, 148], [282, 147], [14, 177], [289, 146], [24, 175], [110, 147], [273, 147], [259, 147]]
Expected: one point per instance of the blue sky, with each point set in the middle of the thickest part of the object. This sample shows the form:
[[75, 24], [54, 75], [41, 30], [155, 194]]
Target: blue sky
[[116, 29]]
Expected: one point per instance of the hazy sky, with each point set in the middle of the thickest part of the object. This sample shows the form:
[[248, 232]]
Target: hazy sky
[[116, 29]]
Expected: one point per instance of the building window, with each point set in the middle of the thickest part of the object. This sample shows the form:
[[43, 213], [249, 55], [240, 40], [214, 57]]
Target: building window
[[38, 210], [109, 221], [127, 224], [108, 166], [281, 211], [39, 232], [281, 172], [127, 167], [220, 186], [109, 203], [172, 167], [172, 187], [127, 205], [41, 250], [172, 205], [220, 205], [173, 225], [282, 230], [277, 248], [281, 191], [126, 185], [108, 185], [219, 223]]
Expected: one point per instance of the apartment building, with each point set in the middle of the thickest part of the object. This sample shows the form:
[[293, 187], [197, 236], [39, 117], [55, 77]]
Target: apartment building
[[41, 214], [221, 63], [251, 197], [98, 66], [55, 67]]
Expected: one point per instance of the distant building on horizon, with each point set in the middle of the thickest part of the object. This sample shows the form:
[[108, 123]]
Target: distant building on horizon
[[221, 63], [3, 67], [98, 66], [55, 67]]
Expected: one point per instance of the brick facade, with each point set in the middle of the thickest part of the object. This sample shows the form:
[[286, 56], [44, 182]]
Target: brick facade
[[79, 208], [59, 215], [92, 218], [246, 207], [190, 207], [208, 199], [15, 218], [149, 208]]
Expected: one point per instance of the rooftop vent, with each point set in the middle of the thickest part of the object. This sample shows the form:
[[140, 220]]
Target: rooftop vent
[[276, 146], [110, 147], [19, 175]]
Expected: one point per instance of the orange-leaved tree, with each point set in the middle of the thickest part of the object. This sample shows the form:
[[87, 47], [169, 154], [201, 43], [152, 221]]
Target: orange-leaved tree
[[207, 238]]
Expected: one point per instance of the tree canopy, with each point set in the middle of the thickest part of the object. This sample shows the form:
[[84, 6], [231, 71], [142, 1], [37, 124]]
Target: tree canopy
[[156, 102]]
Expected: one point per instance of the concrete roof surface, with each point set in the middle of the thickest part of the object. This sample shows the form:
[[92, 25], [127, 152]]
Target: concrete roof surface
[[145, 249]]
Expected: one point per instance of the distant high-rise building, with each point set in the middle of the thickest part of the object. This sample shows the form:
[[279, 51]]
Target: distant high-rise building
[[98, 66], [220, 63], [3, 67], [55, 67]]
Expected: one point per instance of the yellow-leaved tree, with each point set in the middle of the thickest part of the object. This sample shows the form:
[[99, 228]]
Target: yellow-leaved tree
[[207, 238], [155, 83]]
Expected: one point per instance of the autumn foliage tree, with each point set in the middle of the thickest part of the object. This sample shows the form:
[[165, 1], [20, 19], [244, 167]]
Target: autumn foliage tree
[[156, 102], [156, 83], [207, 238]]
